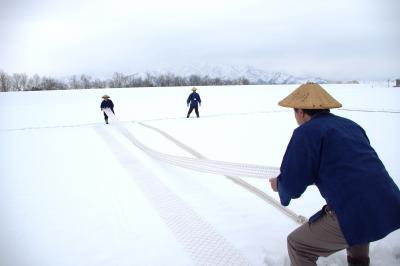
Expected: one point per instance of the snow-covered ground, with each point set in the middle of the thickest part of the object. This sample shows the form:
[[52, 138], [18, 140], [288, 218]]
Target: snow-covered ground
[[74, 191]]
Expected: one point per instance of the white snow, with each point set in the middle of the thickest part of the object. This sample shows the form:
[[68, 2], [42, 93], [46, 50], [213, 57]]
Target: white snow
[[74, 191]]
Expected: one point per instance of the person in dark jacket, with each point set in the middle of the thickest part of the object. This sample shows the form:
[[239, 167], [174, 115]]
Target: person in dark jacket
[[106, 103], [194, 101], [334, 153]]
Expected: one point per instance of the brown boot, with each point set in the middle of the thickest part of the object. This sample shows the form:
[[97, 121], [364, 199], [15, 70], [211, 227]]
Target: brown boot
[[361, 261]]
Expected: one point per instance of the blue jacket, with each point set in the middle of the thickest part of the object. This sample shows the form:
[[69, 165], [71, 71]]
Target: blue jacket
[[107, 104], [194, 99], [334, 153]]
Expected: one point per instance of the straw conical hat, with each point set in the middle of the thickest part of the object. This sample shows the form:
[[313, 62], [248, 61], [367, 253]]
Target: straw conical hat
[[194, 89], [105, 96], [310, 96]]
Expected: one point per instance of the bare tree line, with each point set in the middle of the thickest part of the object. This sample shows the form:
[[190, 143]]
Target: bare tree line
[[23, 82]]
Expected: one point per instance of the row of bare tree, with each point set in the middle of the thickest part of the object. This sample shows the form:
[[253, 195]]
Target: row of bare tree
[[23, 82]]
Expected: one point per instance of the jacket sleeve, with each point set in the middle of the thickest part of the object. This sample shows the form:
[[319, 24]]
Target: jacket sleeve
[[189, 99], [299, 167], [198, 95]]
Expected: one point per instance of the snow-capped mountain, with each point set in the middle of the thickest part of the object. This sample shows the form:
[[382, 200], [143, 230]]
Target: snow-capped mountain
[[254, 75]]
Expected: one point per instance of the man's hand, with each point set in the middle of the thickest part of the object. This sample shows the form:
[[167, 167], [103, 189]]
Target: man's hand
[[274, 183]]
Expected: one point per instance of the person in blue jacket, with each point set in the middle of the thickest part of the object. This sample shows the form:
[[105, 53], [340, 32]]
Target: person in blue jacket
[[106, 103], [194, 101], [334, 153]]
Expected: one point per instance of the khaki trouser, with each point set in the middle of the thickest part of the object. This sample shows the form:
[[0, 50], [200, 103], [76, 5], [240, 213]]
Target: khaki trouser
[[322, 238]]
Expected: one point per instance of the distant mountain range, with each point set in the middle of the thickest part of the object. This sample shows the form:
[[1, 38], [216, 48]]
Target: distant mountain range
[[254, 75]]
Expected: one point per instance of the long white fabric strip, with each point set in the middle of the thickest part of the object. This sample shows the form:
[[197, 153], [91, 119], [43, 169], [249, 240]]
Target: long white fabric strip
[[201, 164], [261, 194]]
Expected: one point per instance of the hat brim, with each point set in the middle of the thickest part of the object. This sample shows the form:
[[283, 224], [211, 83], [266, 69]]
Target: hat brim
[[310, 96]]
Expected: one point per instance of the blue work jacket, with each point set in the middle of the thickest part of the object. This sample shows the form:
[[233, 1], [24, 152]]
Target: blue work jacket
[[335, 154], [194, 99], [107, 104]]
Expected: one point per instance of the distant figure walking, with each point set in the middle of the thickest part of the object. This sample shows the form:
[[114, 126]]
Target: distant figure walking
[[193, 102], [106, 103]]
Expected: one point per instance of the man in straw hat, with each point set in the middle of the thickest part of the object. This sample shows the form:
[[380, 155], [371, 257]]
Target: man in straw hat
[[334, 153], [106, 103], [194, 101]]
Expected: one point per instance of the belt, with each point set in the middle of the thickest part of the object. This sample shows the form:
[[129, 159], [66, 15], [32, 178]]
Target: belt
[[329, 210]]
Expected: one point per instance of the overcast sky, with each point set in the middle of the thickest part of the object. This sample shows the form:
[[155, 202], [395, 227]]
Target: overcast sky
[[342, 39]]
